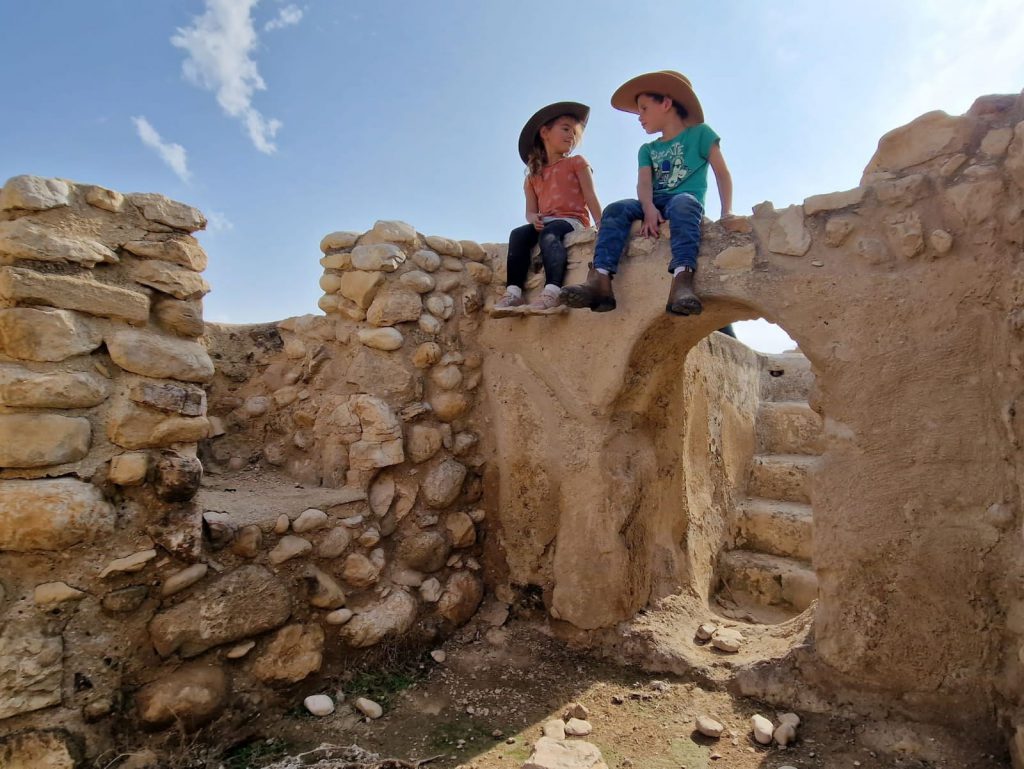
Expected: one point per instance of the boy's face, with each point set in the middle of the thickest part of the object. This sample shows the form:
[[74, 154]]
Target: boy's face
[[653, 113]]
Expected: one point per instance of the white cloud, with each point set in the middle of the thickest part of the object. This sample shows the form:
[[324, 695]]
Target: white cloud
[[217, 221], [286, 17], [220, 43], [174, 155]]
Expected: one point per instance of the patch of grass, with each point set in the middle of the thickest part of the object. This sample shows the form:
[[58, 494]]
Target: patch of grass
[[444, 738], [382, 684], [254, 754]]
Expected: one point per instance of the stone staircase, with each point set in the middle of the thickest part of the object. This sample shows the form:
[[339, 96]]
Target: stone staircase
[[774, 525]]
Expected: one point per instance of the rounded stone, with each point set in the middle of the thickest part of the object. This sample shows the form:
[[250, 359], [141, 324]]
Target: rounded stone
[[319, 704]]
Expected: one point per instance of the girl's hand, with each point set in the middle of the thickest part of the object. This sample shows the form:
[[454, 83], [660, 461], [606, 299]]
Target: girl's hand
[[536, 221], [652, 218]]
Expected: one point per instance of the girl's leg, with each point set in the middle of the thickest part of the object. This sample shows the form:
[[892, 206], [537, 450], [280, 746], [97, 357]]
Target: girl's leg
[[520, 242], [553, 253]]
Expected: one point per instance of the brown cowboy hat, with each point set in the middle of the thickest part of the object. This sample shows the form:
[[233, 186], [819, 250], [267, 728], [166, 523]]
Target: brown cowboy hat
[[526, 137], [668, 83]]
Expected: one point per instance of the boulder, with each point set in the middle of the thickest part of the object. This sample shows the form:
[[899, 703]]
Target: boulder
[[39, 440], [443, 483], [294, 653], [394, 306], [183, 250], [46, 334], [168, 278], [52, 514], [22, 388], [190, 696], [390, 618], [158, 208], [424, 551], [24, 239], [461, 597], [34, 193], [158, 356], [549, 753], [21, 286]]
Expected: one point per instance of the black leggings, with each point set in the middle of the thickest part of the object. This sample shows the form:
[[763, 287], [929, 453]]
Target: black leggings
[[552, 251]]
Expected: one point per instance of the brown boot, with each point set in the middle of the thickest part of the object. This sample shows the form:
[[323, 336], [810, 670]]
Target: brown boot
[[595, 293], [681, 298]]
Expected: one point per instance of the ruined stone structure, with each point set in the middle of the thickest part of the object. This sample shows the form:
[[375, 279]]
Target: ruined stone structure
[[194, 519]]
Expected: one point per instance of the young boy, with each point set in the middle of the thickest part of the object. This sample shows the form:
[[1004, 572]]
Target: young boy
[[671, 185]]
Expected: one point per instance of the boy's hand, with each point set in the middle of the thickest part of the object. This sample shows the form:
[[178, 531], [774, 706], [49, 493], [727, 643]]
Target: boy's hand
[[536, 221], [652, 219], [733, 223]]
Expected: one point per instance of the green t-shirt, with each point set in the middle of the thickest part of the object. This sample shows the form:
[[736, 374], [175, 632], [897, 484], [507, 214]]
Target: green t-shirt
[[680, 164]]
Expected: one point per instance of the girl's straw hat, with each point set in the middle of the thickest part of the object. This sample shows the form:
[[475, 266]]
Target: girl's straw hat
[[526, 137], [668, 83]]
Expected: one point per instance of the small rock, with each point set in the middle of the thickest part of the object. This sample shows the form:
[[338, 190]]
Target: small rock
[[368, 708], [239, 651], [706, 630], [129, 564], [576, 710], [555, 729], [439, 655], [282, 524], [709, 727], [763, 729], [661, 686], [183, 579], [727, 640], [248, 542], [289, 547], [338, 617], [51, 593], [577, 727], [319, 704], [309, 520]]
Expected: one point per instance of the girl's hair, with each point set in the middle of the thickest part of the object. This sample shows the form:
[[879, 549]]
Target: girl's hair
[[660, 98], [538, 156]]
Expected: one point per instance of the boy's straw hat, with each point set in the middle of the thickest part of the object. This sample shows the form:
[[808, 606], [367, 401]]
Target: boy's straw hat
[[667, 83], [579, 111]]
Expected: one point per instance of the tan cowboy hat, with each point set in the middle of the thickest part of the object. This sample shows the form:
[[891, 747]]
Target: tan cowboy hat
[[668, 83], [526, 137]]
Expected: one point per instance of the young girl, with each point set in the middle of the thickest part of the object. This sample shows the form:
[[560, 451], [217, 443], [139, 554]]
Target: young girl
[[559, 191]]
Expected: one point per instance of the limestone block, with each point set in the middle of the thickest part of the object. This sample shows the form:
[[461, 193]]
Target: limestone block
[[393, 231], [22, 286], [386, 339], [443, 483], [382, 494], [736, 258], [906, 234], [129, 469], [390, 618], [460, 529], [339, 260], [289, 547], [179, 282], [422, 442], [472, 250], [462, 595], [31, 665], [242, 603], [53, 593], [38, 440], [101, 197], [430, 325], [328, 303], [837, 229], [191, 696], [338, 241], [360, 287], [430, 590], [182, 250], [428, 261], [178, 317], [418, 281], [45, 334], [158, 356], [335, 543], [902, 192], [129, 564], [52, 514], [330, 283], [923, 139], [34, 193], [564, 754], [975, 202], [158, 208], [294, 653], [441, 306], [452, 264], [447, 282], [384, 257], [833, 201], [23, 239], [394, 306], [324, 591], [481, 273], [49, 749], [449, 405], [21, 388], [134, 427], [788, 234], [1015, 156], [176, 477], [445, 246], [940, 240], [187, 400], [359, 571], [427, 354]]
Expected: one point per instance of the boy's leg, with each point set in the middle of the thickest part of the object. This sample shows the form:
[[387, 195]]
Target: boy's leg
[[596, 292], [520, 241], [555, 257], [684, 215]]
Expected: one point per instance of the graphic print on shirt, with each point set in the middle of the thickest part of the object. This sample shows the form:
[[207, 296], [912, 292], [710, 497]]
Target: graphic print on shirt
[[669, 167]]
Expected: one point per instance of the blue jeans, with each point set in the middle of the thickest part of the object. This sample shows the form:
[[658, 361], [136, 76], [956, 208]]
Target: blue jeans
[[683, 213]]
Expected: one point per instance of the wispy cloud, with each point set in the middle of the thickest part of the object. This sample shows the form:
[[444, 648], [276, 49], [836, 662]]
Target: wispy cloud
[[286, 17], [174, 155], [218, 222], [220, 44]]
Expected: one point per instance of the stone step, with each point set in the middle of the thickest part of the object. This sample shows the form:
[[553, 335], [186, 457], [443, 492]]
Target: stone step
[[788, 427], [786, 377], [776, 528], [785, 477], [769, 579]]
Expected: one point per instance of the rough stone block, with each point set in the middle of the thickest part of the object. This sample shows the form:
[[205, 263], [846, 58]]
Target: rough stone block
[[178, 317], [52, 514], [187, 400], [833, 201], [24, 286], [158, 208], [379, 256], [23, 239], [31, 665], [338, 241], [33, 193], [101, 197], [45, 334], [40, 440], [788, 234], [929, 136], [182, 250], [394, 306], [445, 246], [134, 427], [390, 232], [22, 388], [44, 749], [190, 696], [160, 357], [360, 287], [168, 278], [129, 469]]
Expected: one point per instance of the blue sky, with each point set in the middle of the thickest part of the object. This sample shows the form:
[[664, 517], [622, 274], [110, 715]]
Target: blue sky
[[287, 120]]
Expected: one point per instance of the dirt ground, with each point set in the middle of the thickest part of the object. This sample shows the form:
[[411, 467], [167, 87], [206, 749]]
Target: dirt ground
[[484, 706]]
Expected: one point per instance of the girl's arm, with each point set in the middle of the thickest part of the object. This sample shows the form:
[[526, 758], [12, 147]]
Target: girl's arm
[[589, 195], [723, 178], [532, 216]]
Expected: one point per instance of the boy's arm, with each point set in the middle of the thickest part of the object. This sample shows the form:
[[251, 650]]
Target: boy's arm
[[645, 194], [724, 179], [589, 194], [531, 205]]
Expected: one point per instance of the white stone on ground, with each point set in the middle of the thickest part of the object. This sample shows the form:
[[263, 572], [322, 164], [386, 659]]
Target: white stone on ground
[[577, 727], [368, 708], [709, 727], [706, 630], [439, 655], [555, 729], [727, 640], [319, 704], [762, 729], [309, 520]]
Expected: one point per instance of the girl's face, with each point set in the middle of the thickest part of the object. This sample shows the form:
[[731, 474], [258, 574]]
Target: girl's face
[[653, 113], [560, 137]]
